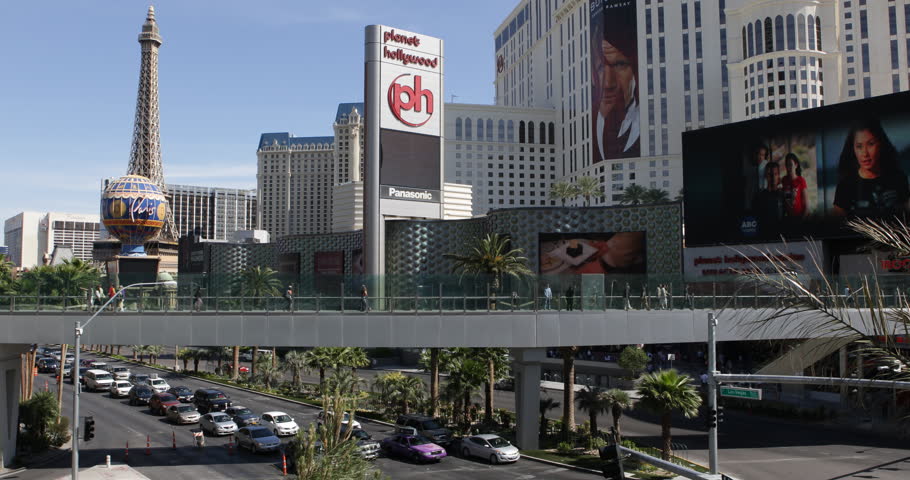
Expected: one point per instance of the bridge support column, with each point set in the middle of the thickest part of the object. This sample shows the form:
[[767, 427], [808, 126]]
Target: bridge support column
[[526, 369], [10, 379]]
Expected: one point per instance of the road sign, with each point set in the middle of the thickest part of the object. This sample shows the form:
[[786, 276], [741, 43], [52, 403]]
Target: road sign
[[739, 392]]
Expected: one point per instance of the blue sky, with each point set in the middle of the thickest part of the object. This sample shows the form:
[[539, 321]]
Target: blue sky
[[229, 70]]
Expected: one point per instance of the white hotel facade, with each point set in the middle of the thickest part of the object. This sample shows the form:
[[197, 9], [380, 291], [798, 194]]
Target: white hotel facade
[[701, 63]]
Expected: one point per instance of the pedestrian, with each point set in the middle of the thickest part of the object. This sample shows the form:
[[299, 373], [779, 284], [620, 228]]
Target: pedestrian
[[364, 299], [570, 294], [663, 296], [197, 300], [289, 297], [690, 300], [627, 296], [111, 292], [98, 294], [547, 297], [514, 300], [645, 298]]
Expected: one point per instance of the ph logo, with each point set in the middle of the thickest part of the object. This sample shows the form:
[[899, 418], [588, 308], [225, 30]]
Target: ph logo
[[407, 103]]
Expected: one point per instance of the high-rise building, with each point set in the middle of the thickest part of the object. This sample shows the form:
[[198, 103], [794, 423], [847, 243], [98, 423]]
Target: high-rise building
[[684, 65], [212, 212], [31, 237]]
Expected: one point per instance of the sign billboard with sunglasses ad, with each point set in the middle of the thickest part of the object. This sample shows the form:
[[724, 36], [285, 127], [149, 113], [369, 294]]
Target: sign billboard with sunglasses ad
[[798, 175]]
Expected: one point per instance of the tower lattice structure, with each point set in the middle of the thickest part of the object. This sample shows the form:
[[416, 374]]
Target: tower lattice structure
[[145, 154]]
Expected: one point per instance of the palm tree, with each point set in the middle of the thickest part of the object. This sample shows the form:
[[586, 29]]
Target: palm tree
[[6, 275], [466, 379], [588, 187], [296, 362], [546, 404], [397, 392], [664, 392], [595, 403], [258, 282], [492, 256], [617, 401], [568, 394], [655, 195], [497, 365], [137, 350], [235, 363], [563, 191], [632, 195], [355, 357], [409, 391], [434, 381], [153, 352], [219, 354], [268, 372], [321, 358], [186, 355]]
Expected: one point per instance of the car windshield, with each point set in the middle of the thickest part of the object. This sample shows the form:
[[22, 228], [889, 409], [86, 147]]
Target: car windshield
[[360, 434], [283, 419], [185, 408], [414, 441], [103, 377], [216, 396], [167, 397], [120, 369], [498, 442], [142, 378], [157, 381], [260, 433], [430, 425], [221, 418], [242, 411], [124, 384], [182, 391]]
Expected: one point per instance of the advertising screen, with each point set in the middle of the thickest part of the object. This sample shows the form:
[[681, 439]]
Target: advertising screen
[[328, 263], [579, 253], [614, 80], [799, 174]]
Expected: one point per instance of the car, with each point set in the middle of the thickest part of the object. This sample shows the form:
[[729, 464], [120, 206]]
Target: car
[[415, 447], [121, 388], [120, 373], [367, 447], [257, 439], [47, 365], [140, 394], [184, 394], [242, 416], [181, 414], [211, 400], [217, 423], [86, 362], [159, 384], [228, 367], [507, 383], [95, 380], [70, 358], [66, 370], [139, 379], [280, 423], [97, 364], [80, 375], [41, 358], [491, 447], [427, 426], [248, 356], [323, 416], [160, 402]]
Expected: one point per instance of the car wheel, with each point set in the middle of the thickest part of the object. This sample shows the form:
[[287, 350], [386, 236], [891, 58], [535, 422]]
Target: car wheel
[[465, 453], [415, 457], [253, 448], [493, 460]]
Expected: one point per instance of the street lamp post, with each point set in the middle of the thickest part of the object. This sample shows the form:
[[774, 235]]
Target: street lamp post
[[77, 387]]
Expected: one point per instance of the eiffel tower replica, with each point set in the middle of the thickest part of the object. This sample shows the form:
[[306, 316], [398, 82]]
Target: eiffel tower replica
[[145, 153]]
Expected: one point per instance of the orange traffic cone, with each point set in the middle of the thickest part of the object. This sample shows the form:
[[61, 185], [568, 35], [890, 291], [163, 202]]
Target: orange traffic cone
[[148, 444], [284, 464], [126, 458]]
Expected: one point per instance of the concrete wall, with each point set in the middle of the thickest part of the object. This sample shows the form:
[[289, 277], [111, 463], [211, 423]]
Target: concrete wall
[[9, 401]]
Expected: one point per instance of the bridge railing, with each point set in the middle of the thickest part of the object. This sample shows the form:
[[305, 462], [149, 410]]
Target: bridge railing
[[146, 302]]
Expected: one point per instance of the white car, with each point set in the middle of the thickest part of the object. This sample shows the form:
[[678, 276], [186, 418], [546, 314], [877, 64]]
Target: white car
[[280, 423], [120, 373], [492, 447], [217, 423], [98, 365], [120, 389], [97, 380], [159, 384], [346, 421]]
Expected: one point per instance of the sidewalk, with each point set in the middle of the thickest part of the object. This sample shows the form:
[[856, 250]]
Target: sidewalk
[[116, 472]]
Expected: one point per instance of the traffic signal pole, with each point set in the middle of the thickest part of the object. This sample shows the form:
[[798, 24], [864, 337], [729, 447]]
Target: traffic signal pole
[[712, 392]]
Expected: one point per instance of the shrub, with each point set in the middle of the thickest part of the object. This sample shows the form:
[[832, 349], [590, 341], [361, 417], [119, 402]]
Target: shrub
[[565, 448], [59, 433], [38, 415], [596, 443]]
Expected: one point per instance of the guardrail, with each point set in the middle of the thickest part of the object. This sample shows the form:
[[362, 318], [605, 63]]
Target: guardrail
[[142, 302]]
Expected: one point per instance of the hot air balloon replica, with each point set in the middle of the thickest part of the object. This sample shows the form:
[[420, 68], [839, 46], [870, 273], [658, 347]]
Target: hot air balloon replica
[[133, 210]]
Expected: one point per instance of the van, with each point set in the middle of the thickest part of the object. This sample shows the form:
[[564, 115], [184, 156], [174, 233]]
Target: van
[[98, 380]]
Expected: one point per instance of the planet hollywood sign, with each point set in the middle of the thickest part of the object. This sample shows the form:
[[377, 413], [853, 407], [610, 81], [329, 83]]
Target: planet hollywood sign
[[400, 55]]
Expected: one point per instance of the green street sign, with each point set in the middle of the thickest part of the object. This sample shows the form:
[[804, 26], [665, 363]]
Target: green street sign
[[738, 392]]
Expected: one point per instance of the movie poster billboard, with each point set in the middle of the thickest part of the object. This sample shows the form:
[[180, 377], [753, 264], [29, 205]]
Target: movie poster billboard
[[582, 253], [798, 175], [614, 80]]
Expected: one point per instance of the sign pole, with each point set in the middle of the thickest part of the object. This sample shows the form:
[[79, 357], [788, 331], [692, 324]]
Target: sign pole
[[712, 392]]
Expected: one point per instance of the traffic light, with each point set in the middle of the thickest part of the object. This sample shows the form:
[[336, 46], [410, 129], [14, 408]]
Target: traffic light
[[89, 428], [712, 418], [720, 414]]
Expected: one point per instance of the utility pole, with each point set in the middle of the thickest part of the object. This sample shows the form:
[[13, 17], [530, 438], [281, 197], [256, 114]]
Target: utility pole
[[712, 392]]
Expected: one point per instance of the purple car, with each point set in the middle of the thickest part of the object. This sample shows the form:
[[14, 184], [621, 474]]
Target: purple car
[[415, 447]]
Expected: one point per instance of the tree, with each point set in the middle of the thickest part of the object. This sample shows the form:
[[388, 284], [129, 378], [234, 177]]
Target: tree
[[186, 355], [592, 401], [563, 191], [546, 404], [634, 359], [235, 363], [434, 381], [397, 392], [258, 282], [655, 195], [464, 380], [568, 394], [497, 364], [665, 392], [296, 362], [267, 372], [632, 195], [153, 352], [492, 256], [588, 187], [355, 357], [6, 275], [321, 358], [617, 401]]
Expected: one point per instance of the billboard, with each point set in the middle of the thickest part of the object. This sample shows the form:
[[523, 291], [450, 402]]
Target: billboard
[[716, 263], [580, 253], [328, 263], [799, 174], [615, 117]]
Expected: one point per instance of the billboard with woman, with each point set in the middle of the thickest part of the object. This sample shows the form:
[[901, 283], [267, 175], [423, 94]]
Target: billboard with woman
[[799, 174]]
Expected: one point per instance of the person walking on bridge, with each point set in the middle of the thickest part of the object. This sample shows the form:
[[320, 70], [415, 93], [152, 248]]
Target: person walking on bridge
[[364, 299]]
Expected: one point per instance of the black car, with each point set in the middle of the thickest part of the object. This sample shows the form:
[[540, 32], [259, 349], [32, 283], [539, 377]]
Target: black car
[[184, 394], [211, 400], [47, 365], [141, 394], [242, 416]]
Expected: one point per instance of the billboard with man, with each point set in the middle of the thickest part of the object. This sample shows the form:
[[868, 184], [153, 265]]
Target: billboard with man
[[615, 118]]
